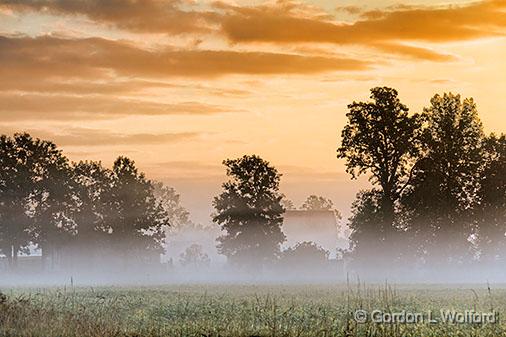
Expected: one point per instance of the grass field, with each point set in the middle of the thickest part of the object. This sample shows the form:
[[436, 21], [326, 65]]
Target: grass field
[[235, 310]]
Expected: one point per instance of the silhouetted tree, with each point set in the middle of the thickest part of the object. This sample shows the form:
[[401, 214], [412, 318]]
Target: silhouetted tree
[[446, 179], [287, 204], [250, 213], [365, 248], [319, 203], [36, 203], [93, 185], [134, 218], [492, 194], [16, 191], [53, 198], [194, 256], [170, 201], [381, 138]]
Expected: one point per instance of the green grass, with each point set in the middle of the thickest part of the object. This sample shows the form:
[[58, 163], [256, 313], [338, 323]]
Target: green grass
[[235, 310]]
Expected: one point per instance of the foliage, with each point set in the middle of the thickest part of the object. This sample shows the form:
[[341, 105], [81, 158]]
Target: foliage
[[319, 203], [305, 254], [194, 256], [250, 213], [36, 195], [82, 208], [492, 195], [382, 139], [170, 201], [446, 180]]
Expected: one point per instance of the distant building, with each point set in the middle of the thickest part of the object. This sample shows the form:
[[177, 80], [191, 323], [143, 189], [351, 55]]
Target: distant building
[[321, 227]]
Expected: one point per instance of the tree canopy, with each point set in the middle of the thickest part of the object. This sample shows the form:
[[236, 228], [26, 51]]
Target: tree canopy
[[249, 212]]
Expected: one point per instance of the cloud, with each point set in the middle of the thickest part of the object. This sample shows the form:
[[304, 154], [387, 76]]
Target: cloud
[[385, 29], [144, 16], [96, 137], [48, 56], [80, 87], [66, 107], [433, 24], [283, 22], [413, 52]]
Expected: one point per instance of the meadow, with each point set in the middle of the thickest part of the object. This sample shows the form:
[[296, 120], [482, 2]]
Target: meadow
[[242, 310]]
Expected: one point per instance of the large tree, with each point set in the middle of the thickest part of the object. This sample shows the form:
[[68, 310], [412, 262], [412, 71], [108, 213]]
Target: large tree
[[54, 198], [250, 213], [36, 201], [380, 138], [135, 220], [446, 180], [492, 194], [93, 184], [16, 191], [364, 244]]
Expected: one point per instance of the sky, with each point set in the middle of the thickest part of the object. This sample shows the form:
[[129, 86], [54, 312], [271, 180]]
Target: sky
[[181, 85]]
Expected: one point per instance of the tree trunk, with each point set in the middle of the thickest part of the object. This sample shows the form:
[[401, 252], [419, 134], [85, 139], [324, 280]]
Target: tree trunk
[[10, 257], [388, 226], [15, 251]]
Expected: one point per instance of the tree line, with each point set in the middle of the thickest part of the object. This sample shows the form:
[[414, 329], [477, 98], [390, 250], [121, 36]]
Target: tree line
[[82, 213], [49, 203], [439, 184], [438, 196]]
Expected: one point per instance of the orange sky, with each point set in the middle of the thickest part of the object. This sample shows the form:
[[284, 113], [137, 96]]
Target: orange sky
[[181, 85]]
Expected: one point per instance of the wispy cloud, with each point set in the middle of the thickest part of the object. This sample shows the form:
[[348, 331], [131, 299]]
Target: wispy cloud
[[272, 23], [94, 57], [68, 107], [147, 16], [87, 137]]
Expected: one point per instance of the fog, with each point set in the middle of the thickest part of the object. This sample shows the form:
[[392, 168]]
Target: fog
[[207, 266]]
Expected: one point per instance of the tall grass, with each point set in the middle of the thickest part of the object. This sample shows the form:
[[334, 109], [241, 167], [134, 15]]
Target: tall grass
[[235, 310]]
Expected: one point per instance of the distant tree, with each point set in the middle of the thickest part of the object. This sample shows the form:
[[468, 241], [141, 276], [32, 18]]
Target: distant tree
[[318, 203], [381, 138], [492, 194], [170, 200], [250, 212], [194, 256], [305, 255], [446, 180], [287, 204], [135, 219]]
